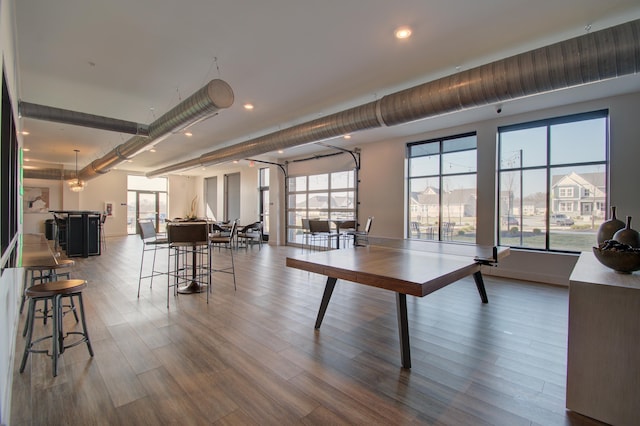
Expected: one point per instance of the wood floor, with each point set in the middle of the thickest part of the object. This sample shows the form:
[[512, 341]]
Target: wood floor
[[253, 357]]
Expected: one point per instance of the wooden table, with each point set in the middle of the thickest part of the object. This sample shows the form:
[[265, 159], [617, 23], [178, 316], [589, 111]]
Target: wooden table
[[35, 250], [406, 267]]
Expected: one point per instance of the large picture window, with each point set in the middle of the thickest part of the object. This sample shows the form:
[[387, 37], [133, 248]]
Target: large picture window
[[442, 185], [10, 180], [552, 182], [327, 196]]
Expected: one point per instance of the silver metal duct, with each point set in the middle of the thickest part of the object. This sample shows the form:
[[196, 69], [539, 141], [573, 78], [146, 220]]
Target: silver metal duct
[[597, 56], [203, 104], [50, 173], [43, 173], [59, 115]]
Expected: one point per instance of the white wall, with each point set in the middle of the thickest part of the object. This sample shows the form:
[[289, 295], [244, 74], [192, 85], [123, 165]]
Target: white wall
[[108, 188], [111, 187], [34, 222], [181, 192], [249, 195]]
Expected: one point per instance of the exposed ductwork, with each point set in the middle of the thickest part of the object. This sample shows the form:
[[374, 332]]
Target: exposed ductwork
[[597, 56], [203, 104], [50, 173], [59, 115]]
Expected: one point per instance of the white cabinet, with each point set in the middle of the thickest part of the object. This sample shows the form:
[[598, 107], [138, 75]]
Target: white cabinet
[[603, 363]]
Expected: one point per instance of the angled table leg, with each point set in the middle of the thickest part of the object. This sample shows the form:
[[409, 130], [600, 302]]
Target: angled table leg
[[477, 276], [328, 290], [403, 329]]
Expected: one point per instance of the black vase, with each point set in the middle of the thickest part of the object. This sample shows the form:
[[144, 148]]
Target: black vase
[[627, 235], [609, 227]]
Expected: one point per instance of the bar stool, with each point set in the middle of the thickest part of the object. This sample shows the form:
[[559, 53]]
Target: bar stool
[[103, 239], [54, 291], [46, 271]]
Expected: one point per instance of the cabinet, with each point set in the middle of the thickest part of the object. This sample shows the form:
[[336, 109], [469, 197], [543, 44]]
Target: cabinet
[[82, 233], [603, 357]]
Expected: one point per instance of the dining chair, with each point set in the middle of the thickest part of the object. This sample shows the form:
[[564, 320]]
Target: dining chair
[[345, 231], [251, 233], [60, 239], [103, 240], [361, 238], [225, 240], [320, 230], [150, 242], [306, 234]]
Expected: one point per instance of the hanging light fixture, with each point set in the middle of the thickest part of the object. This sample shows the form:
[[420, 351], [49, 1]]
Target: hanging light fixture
[[76, 185]]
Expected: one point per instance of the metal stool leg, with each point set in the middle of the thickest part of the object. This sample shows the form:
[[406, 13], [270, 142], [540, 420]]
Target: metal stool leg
[[233, 270], [29, 332], [57, 345], [84, 324]]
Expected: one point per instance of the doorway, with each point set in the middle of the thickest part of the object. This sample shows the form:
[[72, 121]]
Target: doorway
[[232, 196], [211, 198], [146, 199], [146, 205]]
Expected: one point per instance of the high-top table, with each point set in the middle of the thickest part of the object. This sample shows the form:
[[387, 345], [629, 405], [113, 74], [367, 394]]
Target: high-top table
[[190, 237]]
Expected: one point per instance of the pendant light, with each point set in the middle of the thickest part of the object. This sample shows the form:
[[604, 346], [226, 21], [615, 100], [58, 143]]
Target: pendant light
[[76, 185]]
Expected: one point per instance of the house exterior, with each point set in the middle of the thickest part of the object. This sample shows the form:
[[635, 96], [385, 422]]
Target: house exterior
[[456, 204], [579, 194]]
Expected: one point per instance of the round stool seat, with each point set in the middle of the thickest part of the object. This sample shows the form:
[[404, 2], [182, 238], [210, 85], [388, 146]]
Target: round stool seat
[[43, 270], [42, 266], [55, 288], [65, 263], [49, 264]]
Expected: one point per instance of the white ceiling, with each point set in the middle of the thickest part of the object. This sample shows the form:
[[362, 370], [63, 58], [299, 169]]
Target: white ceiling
[[295, 60]]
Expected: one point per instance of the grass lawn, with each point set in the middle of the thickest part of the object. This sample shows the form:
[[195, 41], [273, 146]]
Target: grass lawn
[[567, 240]]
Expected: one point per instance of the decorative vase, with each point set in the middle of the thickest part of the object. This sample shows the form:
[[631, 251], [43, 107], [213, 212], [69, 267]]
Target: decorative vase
[[627, 235], [609, 227]]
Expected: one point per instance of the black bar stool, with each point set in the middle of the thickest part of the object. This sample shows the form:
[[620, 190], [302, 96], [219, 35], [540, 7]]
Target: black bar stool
[[54, 291], [48, 270]]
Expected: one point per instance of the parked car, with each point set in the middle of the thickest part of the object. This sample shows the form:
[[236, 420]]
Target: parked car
[[510, 221], [561, 219]]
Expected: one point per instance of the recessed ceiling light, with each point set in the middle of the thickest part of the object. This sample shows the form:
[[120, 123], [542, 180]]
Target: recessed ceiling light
[[347, 136], [248, 106], [152, 150], [26, 149], [188, 134], [403, 32], [26, 159], [24, 132], [281, 151]]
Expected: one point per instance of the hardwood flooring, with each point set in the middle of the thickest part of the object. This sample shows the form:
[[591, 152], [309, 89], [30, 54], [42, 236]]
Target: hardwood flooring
[[253, 357]]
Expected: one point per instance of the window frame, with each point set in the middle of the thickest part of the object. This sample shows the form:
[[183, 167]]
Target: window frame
[[330, 212], [441, 152], [563, 197]]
